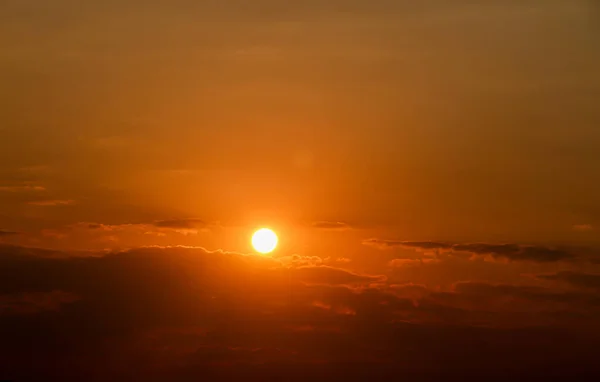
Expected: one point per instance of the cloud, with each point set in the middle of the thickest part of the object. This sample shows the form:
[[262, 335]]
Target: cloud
[[298, 261], [341, 260], [38, 169], [181, 223], [332, 226], [186, 313], [104, 227], [330, 275], [520, 304], [382, 244], [583, 227], [388, 244], [32, 303], [54, 233], [513, 252], [188, 226], [530, 293], [26, 188], [411, 262], [95, 226], [577, 279], [52, 203], [184, 226], [7, 233], [424, 245]]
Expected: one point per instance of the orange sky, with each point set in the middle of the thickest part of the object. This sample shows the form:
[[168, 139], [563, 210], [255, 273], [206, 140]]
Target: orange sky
[[454, 121]]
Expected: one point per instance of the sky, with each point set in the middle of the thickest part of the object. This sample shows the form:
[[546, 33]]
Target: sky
[[431, 168]]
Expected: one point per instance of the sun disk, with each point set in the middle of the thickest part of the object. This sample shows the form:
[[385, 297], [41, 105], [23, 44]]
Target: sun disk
[[264, 240]]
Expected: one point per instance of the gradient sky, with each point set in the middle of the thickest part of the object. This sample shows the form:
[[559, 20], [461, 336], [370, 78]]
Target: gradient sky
[[406, 143]]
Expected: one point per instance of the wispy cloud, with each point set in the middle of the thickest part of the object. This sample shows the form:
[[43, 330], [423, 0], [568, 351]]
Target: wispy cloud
[[52, 203], [583, 227], [331, 225], [8, 233], [26, 188], [322, 274], [511, 251], [412, 262], [388, 244], [577, 279], [184, 226]]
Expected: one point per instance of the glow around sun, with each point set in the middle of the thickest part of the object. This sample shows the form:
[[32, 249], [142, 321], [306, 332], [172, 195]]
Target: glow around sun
[[264, 240]]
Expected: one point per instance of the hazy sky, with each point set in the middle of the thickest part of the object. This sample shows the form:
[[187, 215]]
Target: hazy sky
[[440, 118], [391, 138]]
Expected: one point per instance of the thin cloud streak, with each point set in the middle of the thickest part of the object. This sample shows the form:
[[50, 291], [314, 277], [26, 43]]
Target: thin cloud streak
[[512, 252], [52, 203]]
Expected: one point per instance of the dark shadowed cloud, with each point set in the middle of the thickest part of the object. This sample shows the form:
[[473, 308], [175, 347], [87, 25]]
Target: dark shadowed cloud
[[32, 303], [157, 227], [577, 279], [385, 244], [513, 252], [525, 293], [52, 203], [183, 314], [181, 223], [330, 275]]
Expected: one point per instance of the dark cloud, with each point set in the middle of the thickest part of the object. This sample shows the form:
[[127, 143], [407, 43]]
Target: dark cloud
[[94, 226], [184, 226], [52, 203], [425, 245], [527, 293], [7, 233], [382, 244], [582, 280], [513, 252], [334, 226], [184, 314], [32, 303], [385, 244], [412, 262], [9, 253], [330, 275], [181, 223]]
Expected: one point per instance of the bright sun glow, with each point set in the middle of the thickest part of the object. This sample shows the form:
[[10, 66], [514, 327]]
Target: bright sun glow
[[264, 240]]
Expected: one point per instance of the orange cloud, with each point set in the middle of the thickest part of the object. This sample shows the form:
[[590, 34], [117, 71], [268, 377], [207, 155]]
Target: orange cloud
[[332, 226], [412, 262], [583, 227], [25, 188], [52, 203], [510, 251]]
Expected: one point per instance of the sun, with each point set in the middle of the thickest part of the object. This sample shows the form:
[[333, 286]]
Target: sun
[[264, 240]]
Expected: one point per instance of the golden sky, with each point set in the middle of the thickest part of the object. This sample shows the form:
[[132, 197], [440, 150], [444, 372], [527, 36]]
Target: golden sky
[[434, 151]]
